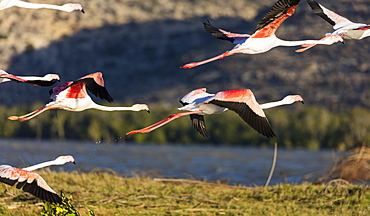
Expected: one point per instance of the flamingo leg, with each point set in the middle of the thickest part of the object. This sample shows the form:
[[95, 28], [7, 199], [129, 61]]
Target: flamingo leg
[[308, 46], [221, 56], [161, 123], [30, 115]]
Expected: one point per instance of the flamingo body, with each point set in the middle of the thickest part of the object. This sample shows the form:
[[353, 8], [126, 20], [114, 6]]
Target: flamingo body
[[342, 26], [242, 101], [47, 80], [263, 38], [69, 7], [32, 182], [72, 96]]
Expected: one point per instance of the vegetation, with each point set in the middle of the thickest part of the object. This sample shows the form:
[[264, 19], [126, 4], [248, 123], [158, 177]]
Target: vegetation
[[295, 126], [110, 194]]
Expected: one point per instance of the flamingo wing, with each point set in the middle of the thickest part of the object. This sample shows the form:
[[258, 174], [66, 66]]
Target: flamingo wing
[[332, 18], [28, 181], [12, 77], [279, 12], [196, 119], [225, 35], [198, 124], [243, 102], [43, 83], [95, 88]]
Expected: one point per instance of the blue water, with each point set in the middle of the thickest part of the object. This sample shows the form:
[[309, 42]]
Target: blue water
[[236, 165]]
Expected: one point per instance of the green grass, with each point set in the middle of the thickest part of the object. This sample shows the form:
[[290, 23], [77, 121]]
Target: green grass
[[110, 194]]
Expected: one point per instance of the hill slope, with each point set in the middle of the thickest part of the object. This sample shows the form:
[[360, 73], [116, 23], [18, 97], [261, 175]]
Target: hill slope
[[139, 46]]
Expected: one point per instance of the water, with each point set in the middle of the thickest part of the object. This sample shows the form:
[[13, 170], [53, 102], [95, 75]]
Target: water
[[236, 165]]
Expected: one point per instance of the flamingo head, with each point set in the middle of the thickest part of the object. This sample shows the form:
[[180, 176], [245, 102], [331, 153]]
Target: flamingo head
[[138, 107], [69, 7], [293, 98], [52, 77], [64, 159], [330, 39]]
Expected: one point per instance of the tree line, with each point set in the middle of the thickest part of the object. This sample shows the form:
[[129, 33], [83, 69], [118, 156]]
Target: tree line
[[308, 127]]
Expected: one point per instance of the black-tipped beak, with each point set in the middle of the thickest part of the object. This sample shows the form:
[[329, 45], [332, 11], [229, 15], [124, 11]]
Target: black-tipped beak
[[82, 11], [148, 111], [74, 162], [302, 102], [342, 42]]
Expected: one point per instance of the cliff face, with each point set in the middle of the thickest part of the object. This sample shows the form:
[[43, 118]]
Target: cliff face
[[140, 45]]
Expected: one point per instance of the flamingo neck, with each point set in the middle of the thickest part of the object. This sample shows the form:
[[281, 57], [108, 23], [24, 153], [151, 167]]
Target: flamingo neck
[[275, 104], [40, 165], [302, 42], [106, 108], [30, 5]]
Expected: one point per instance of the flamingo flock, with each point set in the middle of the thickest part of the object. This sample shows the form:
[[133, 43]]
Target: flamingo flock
[[73, 95]]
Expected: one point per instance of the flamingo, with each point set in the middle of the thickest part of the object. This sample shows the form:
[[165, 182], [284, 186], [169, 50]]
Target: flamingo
[[242, 101], [32, 182], [47, 80], [72, 96], [69, 7], [342, 26], [263, 38]]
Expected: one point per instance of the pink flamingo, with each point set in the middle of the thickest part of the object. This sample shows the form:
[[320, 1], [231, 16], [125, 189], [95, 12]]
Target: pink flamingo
[[69, 7], [242, 101], [72, 96], [32, 182], [263, 38], [343, 27], [47, 80]]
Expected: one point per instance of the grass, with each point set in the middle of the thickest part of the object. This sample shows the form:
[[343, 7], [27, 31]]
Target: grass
[[110, 194]]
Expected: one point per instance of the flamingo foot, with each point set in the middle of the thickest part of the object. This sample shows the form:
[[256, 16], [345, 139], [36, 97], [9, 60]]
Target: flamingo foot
[[14, 118], [189, 65], [138, 131]]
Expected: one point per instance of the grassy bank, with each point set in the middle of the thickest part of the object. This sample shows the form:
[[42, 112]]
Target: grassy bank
[[110, 194]]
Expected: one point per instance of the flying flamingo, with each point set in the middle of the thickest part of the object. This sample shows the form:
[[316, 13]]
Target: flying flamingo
[[342, 26], [72, 96], [32, 182], [242, 101], [47, 80], [69, 7], [263, 38]]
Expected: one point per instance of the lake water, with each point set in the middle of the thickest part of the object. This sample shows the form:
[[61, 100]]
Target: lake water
[[237, 165]]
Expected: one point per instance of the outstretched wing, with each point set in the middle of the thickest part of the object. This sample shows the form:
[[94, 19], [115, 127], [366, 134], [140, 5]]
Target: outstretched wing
[[279, 12], [28, 181], [196, 119], [95, 84], [225, 35], [328, 15], [258, 123], [243, 102]]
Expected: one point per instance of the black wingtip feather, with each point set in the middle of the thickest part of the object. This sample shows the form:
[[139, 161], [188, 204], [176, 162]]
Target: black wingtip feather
[[318, 11], [199, 125], [277, 10], [215, 32]]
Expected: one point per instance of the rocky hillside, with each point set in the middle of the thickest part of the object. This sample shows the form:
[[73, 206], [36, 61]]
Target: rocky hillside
[[139, 46]]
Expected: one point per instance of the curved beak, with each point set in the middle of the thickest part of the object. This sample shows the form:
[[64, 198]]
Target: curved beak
[[82, 11]]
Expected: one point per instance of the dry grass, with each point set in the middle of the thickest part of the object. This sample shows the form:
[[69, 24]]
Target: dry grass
[[110, 194], [352, 166]]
